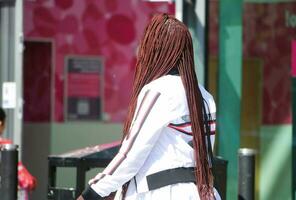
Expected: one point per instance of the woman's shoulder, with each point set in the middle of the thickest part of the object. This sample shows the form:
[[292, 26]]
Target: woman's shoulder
[[166, 93], [170, 90], [166, 85]]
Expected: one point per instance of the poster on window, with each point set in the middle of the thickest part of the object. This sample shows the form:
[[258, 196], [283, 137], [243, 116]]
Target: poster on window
[[83, 88]]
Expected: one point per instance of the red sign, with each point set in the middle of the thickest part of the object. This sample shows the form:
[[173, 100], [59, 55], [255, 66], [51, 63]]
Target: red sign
[[84, 85]]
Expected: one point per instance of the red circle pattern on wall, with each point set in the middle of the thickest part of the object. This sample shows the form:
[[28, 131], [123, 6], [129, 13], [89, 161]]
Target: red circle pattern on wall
[[121, 29], [110, 29]]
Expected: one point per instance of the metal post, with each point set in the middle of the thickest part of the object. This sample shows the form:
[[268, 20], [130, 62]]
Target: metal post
[[194, 16], [11, 54], [220, 175], [246, 174], [179, 9], [8, 171], [18, 73]]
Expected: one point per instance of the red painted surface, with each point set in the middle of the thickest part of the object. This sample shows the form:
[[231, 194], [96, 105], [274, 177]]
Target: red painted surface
[[293, 58], [107, 28], [268, 33]]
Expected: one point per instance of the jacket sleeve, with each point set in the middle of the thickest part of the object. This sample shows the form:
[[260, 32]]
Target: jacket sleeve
[[151, 116]]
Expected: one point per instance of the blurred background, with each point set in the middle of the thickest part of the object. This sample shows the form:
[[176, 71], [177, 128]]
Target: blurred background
[[68, 67]]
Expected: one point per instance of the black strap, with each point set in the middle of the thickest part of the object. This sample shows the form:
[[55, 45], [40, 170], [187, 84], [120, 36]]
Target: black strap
[[170, 177], [90, 194], [207, 119]]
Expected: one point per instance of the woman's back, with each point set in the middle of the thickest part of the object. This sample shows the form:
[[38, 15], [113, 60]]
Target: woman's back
[[172, 149]]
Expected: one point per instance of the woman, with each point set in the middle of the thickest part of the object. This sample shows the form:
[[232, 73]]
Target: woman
[[156, 160]]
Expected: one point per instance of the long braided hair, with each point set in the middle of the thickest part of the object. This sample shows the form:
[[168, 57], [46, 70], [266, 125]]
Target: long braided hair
[[167, 45]]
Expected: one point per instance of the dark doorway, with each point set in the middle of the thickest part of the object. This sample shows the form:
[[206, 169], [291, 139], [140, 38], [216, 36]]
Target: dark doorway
[[37, 81], [37, 77]]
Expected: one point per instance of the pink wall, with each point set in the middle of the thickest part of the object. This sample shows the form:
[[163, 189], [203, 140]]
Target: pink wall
[[268, 36], [107, 28]]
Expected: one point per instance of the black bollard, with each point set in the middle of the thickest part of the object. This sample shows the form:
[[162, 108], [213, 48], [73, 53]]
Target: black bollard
[[8, 171], [246, 174]]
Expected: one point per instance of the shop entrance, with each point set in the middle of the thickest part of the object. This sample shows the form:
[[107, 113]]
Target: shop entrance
[[38, 82]]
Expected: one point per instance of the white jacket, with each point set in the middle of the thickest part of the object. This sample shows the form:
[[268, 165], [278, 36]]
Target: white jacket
[[158, 140]]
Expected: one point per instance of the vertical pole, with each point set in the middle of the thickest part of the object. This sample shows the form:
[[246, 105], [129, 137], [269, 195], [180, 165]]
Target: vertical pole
[[18, 72], [8, 172], [246, 174], [11, 49], [293, 65], [229, 88], [6, 52], [195, 18], [179, 9], [206, 43], [80, 178]]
